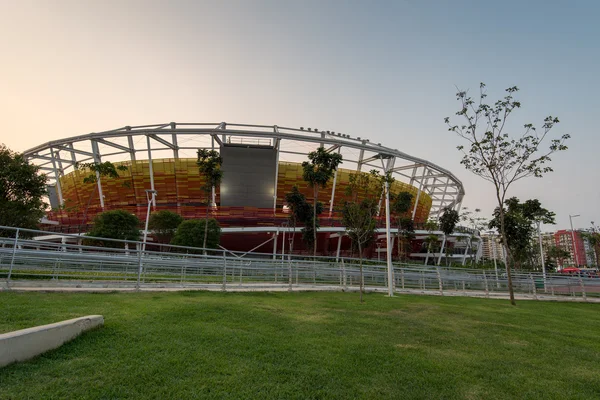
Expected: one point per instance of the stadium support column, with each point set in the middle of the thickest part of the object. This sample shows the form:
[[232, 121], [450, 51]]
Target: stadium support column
[[390, 267], [96, 155], [54, 156], [174, 141], [275, 236], [333, 189], [212, 189], [441, 207], [277, 142], [419, 193], [339, 246], [151, 169]]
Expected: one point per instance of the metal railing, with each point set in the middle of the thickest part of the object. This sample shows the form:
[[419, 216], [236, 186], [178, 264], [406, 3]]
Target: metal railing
[[118, 263]]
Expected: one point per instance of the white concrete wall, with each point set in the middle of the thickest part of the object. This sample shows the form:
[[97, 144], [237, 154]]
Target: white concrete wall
[[28, 343]]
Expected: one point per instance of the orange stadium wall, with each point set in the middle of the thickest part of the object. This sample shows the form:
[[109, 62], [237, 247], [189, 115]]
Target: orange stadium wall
[[179, 187]]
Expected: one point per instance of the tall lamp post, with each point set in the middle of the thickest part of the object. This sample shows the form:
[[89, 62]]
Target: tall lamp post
[[493, 240], [542, 253], [150, 196], [573, 237]]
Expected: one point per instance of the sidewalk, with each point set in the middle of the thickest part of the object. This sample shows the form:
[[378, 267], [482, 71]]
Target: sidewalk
[[90, 287]]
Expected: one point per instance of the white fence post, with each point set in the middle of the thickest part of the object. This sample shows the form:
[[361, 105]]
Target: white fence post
[[12, 259], [224, 272], [533, 288], [139, 275], [583, 294]]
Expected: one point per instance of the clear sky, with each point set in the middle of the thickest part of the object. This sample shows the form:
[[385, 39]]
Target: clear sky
[[383, 70]]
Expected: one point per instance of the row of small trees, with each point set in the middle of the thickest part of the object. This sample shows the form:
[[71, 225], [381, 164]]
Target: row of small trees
[[167, 226]]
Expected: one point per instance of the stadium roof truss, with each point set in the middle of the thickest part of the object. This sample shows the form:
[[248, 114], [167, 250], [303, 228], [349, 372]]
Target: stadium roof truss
[[175, 140]]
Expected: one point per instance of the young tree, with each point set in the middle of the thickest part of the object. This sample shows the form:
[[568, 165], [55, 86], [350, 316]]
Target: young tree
[[21, 191], [400, 206], [190, 233], [97, 170], [164, 223], [593, 239], [358, 215], [447, 222], [555, 253], [301, 212], [431, 239], [317, 172], [493, 155], [115, 224], [209, 164]]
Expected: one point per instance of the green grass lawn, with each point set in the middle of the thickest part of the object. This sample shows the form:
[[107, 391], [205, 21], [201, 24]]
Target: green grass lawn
[[307, 346]]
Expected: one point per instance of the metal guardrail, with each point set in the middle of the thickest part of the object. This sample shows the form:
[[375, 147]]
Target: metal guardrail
[[129, 264]]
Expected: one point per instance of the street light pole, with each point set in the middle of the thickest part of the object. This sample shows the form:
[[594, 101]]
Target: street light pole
[[542, 253], [494, 255], [573, 237], [390, 268], [150, 196]]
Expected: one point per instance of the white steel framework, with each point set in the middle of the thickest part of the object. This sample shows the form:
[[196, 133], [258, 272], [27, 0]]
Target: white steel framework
[[59, 157]]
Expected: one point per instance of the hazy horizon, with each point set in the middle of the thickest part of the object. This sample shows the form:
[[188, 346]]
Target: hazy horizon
[[387, 71]]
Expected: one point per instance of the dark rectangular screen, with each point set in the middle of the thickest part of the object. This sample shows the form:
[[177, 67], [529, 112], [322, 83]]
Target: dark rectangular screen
[[248, 176]]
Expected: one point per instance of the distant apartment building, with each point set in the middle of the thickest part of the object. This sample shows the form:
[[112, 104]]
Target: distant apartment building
[[491, 247], [579, 251]]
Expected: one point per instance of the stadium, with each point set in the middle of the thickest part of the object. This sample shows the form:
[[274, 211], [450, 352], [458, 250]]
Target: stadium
[[261, 163]]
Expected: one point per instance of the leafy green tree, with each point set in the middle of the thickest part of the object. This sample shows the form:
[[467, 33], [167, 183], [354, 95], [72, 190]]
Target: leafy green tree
[[498, 158], [399, 208], [190, 233], [358, 215], [164, 224], [97, 170], [115, 224], [209, 165], [21, 192], [519, 226], [317, 172]]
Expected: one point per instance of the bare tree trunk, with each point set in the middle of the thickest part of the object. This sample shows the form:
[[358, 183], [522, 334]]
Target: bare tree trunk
[[506, 248], [206, 224], [362, 279], [398, 240], [86, 209], [316, 192]]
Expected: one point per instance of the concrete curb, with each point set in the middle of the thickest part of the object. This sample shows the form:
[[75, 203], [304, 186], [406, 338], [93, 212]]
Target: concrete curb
[[28, 343]]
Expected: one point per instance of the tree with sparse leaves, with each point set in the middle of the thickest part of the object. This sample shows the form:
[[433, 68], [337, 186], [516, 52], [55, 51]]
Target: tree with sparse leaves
[[21, 192], [496, 156], [447, 222], [209, 164], [554, 254], [302, 212], [400, 207], [95, 171], [317, 172], [358, 214], [431, 241]]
